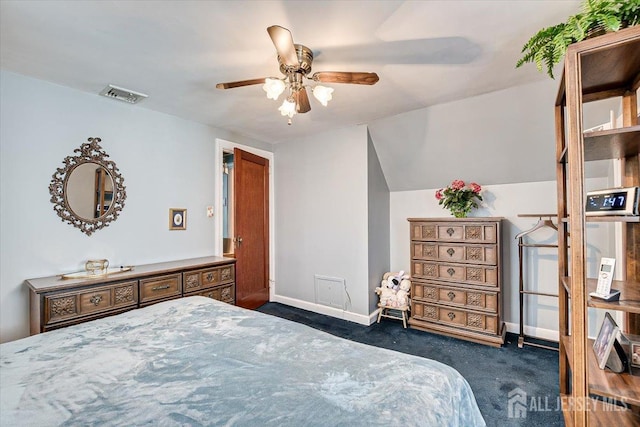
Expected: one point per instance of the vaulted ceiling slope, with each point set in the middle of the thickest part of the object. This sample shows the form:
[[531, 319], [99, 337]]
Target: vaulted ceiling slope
[[425, 52]]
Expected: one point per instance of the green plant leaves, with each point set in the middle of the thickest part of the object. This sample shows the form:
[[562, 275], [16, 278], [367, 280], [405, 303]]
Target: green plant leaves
[[548, 46]]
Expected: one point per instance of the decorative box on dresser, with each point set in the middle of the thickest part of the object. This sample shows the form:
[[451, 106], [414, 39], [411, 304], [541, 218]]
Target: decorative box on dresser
[[56, 302], [456, 278]]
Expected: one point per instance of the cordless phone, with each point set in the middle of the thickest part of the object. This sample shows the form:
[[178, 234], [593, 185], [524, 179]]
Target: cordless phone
[[605, 276]]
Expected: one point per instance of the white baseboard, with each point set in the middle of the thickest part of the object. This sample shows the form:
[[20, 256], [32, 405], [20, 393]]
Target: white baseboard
[[328, 311], [533, 332], [530, 331]]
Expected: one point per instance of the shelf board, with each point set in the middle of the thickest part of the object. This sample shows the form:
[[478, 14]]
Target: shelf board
[[609, 144], [612, 143], [605, 66], [601, 414], [612, 218], [608, 63], [608, 218], [602, 382], [629, 295]]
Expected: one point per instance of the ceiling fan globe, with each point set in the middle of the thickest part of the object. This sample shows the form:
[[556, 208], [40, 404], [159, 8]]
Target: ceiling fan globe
[[323, 94], [273, 87], [288, 107]]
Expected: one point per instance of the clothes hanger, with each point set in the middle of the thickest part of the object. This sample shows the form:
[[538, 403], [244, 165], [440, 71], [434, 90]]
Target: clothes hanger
[[540, 224]]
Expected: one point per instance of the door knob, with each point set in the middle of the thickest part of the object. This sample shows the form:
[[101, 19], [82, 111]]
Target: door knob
[[238, 241]]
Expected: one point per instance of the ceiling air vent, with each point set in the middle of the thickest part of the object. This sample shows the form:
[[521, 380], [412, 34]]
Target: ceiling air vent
[[122, 94]]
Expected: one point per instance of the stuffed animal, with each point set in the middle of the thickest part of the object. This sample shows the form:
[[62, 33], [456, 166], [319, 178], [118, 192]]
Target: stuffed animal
[[394, 289], [385, 293], [395, 278], [402, 295]]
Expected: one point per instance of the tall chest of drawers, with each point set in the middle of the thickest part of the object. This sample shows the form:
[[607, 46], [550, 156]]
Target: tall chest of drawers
[[456, 278]]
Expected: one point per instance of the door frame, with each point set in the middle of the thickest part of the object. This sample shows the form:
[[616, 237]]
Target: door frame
[[223, 145]]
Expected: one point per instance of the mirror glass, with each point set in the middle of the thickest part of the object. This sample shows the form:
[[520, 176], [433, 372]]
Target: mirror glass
[[89, 190]]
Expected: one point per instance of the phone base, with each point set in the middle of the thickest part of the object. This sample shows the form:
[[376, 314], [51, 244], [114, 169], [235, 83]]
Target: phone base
[[614, 295]]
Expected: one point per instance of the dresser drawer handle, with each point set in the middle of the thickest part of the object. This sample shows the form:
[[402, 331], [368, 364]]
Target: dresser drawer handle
[[159, 288], [450, 231], [95, 300], [451, 295], [451, 271], [210, 277], [451, 316], [450, 251]]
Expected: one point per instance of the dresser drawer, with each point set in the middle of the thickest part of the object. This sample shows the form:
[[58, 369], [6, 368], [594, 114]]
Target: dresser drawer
[[468, 274], [451, 252], [455, 232], [465, 319], [160, 287], [88, 301], [466, 298], [224, 293], [207, 278]]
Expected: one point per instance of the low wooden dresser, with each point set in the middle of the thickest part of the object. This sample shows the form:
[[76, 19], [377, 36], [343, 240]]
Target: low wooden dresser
[[56, 302], [456, 278]]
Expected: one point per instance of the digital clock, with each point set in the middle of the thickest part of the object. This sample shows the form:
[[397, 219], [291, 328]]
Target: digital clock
[[612, 201]]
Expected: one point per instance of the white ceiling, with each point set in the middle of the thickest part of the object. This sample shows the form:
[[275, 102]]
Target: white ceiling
[[425, 52]]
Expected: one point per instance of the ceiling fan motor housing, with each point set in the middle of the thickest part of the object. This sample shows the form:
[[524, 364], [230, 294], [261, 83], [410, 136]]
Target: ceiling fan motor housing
[[305, 59]]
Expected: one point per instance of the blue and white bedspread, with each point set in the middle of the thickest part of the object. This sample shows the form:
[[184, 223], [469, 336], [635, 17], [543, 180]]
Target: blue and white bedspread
[[196, 361]]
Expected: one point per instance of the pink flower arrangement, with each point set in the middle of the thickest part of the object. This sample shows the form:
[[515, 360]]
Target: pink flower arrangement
[[459, 197]]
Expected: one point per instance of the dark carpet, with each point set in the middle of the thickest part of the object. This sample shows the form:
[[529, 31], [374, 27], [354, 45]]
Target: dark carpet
[[491, 372]]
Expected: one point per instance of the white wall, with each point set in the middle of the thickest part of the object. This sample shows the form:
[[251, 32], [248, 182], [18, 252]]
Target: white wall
[[508, 201], [507, 136], [321, 225], [378, 223], [166, 162]]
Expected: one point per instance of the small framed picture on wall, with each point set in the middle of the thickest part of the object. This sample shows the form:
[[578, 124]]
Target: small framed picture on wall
[[177, 219]]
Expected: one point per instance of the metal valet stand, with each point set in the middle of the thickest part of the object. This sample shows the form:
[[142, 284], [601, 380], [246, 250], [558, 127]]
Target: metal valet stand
[[544, 221]]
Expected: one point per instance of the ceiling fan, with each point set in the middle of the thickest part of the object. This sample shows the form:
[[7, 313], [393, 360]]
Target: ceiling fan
[[295, 63]]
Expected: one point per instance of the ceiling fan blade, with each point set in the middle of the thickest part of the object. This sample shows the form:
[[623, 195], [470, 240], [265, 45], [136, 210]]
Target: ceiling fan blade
[[302, 101], [231, 85], [345, 77], [283, 41]]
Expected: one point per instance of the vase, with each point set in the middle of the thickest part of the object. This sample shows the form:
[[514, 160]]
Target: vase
[[458, 214]]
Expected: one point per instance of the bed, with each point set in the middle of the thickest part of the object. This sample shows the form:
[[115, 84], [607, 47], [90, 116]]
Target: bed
[[197, 361]]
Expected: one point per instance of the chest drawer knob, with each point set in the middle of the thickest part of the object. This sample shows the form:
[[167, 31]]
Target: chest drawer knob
[[450, 251], [95, 300], [159, 288], [451, 271], [210, 277], [451, 316], [450, 231], [451, 295]]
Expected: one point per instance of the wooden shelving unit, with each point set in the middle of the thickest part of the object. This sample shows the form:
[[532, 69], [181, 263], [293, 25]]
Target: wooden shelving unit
[[596, 69]]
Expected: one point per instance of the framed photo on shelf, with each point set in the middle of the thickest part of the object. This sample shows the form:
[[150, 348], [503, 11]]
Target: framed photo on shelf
[[604, 342], [177, 219], [634, 351]]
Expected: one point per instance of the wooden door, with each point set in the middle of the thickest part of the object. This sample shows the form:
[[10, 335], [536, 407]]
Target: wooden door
[[251, 218]]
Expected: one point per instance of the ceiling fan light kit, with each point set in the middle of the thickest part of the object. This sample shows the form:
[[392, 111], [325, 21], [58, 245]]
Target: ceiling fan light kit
[[295, 63]]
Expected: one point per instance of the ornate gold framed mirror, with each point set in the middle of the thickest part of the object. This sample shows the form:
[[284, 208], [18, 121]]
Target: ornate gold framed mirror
[[88, 192]]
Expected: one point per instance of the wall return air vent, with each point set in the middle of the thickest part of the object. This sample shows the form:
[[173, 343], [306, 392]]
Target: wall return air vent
[[123, 94]]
